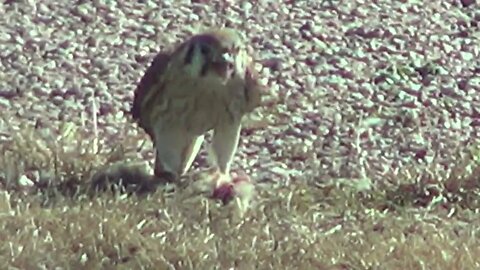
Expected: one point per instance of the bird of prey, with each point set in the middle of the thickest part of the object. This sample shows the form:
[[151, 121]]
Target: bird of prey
[[205, 83]]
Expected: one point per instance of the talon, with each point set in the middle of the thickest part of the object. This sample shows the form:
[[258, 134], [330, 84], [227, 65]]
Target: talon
[[219, 178], [165, 177]]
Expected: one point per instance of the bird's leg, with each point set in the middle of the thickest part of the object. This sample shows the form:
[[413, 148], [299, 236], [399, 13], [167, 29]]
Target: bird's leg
[[224, 145], [227, 187], [191, 152], [175, 152]]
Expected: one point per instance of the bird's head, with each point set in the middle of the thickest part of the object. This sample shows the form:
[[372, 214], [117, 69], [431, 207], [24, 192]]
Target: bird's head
[[218, 54]]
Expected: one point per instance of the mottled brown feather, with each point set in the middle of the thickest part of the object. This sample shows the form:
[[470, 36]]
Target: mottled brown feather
[[149, 81], [208, 82], [225, 38]]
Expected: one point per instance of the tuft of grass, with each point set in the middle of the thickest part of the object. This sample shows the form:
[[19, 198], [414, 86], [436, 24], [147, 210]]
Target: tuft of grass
[[421, 221]]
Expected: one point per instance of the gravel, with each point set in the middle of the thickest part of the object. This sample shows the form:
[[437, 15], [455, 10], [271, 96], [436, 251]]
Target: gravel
[[357, 88]]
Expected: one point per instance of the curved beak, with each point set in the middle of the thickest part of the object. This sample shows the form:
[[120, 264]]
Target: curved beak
[[224, 66]]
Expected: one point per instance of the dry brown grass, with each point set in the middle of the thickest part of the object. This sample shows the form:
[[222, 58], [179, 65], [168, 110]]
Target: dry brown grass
[[373, 85], [419, 224]]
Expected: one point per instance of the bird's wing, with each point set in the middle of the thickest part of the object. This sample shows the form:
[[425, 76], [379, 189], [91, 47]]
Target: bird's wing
[[151, 81]]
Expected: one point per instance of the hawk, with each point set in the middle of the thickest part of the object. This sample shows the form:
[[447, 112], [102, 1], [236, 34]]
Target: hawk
[[205, 83]]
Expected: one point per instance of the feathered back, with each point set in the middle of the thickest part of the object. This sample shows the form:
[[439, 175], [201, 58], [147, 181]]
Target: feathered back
[[149, 81]]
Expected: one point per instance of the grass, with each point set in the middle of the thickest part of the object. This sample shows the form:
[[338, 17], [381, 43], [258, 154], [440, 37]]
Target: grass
[[418, 221]]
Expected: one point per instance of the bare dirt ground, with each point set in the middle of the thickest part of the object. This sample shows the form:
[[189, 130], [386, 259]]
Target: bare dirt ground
[[365, 156]]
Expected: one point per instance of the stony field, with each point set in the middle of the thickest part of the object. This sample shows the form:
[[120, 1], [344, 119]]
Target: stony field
[[365, 156]]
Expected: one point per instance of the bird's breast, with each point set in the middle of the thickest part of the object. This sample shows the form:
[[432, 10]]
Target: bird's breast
[[214, 105], [201, 105]]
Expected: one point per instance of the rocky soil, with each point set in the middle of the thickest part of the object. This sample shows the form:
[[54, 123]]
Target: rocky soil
[[358, 89]]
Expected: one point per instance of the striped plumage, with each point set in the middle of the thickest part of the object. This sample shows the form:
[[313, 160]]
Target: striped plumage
[[205, 83]]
